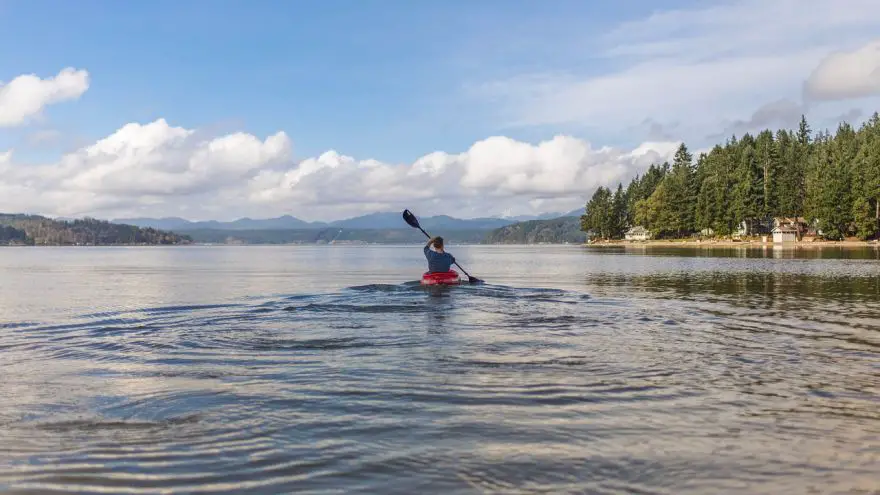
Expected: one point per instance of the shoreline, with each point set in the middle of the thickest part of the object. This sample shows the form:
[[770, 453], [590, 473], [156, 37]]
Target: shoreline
[[734, 244]]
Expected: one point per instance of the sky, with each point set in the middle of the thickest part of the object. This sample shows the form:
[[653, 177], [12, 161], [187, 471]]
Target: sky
[[219, 110]]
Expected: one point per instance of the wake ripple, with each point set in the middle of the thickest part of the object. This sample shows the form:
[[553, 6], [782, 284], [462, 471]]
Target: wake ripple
[[472, 389]]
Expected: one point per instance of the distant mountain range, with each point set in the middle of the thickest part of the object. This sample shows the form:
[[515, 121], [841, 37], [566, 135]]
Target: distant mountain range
[[176, 223], [558, 230], [380, 220]]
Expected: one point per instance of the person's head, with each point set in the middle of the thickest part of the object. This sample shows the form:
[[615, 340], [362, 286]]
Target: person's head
[[438, 243]]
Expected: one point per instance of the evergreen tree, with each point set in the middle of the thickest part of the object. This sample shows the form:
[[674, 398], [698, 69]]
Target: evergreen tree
[[618, 214], [863, 216], [768, 163], [828, 198], [866, 175], [598, 217], [684, 172], [632, 195], [832, 181], [713, 202], [748, 194], [804, 132], [790, 187]]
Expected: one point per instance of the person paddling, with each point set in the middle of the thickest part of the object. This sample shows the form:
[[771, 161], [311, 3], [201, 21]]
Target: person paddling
[[439, 260]]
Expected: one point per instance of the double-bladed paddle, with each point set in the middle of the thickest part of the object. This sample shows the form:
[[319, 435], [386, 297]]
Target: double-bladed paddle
[[414, 222]]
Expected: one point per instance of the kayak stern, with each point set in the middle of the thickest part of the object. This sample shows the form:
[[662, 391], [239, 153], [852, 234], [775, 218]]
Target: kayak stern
[[441, 278]]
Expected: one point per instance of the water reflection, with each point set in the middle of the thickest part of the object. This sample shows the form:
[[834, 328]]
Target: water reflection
[[769, 250], [575, 370]]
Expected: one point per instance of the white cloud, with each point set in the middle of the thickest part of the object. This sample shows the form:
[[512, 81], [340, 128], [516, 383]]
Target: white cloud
[[153, 165], [493, 176], [160, 160], [846, 75], [25, 96], [156, 169], [703, 67]]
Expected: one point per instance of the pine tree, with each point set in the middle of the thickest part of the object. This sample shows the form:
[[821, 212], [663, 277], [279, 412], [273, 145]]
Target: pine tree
[[598, 214], [618, 213], [804, 132], [632, 196], [863, 217], [789, 190], [657, 211], [748, 193], [828, 198], [768, 161], [866, 175]]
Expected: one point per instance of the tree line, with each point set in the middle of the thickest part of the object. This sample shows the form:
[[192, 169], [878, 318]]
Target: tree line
[[832, 182], [38, 230]]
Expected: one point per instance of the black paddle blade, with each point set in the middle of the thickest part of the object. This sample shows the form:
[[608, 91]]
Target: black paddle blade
[[475, 280], [411, 219]]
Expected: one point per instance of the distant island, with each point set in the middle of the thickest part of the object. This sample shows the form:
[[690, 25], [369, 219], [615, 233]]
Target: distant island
[[35, 230], [790, 185]]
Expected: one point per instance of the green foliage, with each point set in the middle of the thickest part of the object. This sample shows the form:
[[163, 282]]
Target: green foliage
[[599, 214], [866, 224], [618, 213], [11, 235], [38, 230], [830, 181]]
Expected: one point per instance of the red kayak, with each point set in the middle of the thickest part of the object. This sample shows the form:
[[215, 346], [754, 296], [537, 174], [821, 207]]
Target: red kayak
[[441, 278]]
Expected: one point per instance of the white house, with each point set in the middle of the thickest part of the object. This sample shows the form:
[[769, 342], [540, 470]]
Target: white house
[[637, 233], [784, 233]]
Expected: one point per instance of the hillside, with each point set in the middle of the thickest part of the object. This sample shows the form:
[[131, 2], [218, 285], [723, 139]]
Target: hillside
[[376, 221], [176, 223], [42, 231], [327, 235], [553, 231]]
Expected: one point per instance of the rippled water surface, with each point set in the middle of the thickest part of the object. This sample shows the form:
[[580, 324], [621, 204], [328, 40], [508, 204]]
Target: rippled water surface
[[330, 370]]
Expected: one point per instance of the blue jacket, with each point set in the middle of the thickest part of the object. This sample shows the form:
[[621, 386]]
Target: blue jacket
[[438, 262]]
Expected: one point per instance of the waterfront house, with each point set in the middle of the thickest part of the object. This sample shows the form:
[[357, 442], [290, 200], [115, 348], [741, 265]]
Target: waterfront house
[[637, 233], [784, 233]]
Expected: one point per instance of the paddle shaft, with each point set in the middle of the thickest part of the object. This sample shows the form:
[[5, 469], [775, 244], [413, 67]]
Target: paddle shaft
[[456, 263]]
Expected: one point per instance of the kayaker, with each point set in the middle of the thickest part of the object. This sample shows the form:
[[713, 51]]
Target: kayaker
[[439, 260]]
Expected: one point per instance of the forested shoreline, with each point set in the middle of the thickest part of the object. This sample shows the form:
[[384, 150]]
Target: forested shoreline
[[830, 183], [35, 230]]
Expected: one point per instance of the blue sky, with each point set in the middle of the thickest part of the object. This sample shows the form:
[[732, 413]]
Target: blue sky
[[394, 80], [380, 78]]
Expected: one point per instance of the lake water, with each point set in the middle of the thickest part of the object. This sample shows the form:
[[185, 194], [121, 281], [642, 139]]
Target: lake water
[[328, 370]]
